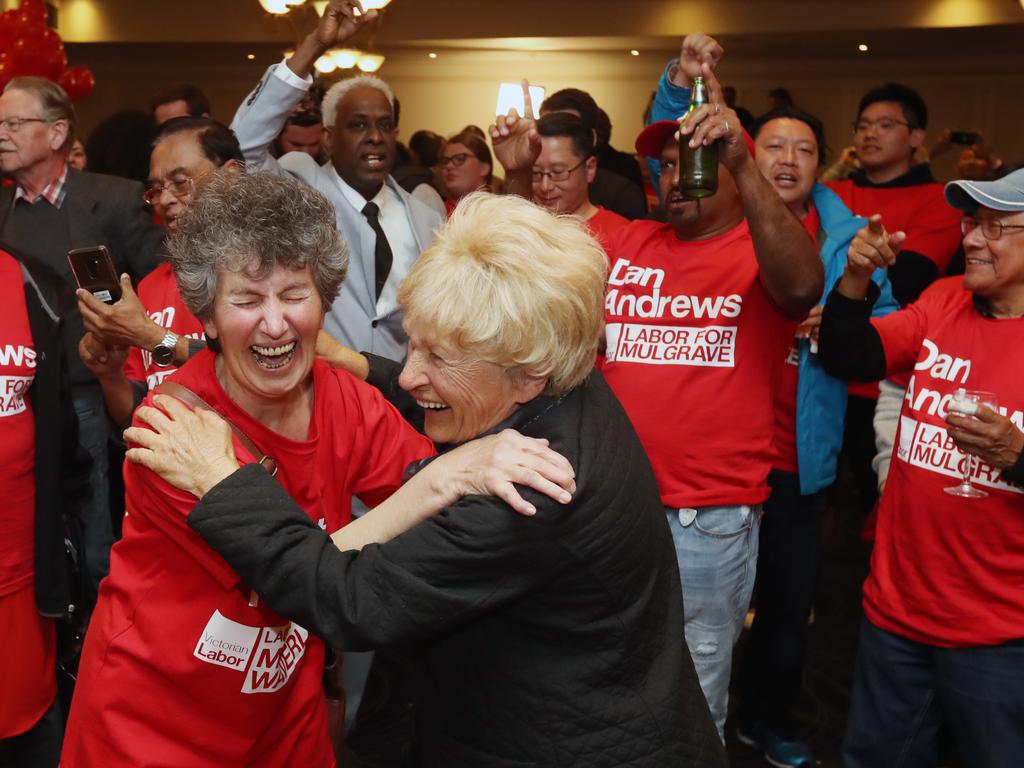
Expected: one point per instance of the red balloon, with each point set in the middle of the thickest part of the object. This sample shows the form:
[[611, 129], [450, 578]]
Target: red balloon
[[78, 82], [32, 13], [6, 69], [8, 29], [27, 24]]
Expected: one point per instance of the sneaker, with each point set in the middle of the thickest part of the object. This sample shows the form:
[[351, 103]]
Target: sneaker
[[775, 750]]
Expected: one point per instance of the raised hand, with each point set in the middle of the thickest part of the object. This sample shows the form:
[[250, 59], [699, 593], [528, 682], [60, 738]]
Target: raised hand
[[697, 49], [871, 248], [715, 121], [341, 20], [515, 139]]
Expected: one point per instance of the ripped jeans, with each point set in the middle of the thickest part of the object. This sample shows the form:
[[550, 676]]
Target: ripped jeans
[[716, 548]]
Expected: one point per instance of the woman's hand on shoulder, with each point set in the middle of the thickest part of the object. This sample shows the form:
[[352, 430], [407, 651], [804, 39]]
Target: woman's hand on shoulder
[[494, 465], [191, 450]]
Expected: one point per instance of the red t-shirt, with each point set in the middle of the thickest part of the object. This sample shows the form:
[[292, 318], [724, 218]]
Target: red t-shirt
[[789, 376], [604, 224], [17, 433], [159, 294], [948, 571], [694, 346], [177, 663]]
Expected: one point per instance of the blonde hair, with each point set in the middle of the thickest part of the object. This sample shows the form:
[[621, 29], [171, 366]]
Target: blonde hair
[[514, 285]]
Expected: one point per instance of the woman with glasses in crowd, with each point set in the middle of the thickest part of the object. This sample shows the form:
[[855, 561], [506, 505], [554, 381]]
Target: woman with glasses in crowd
[[466, 166]]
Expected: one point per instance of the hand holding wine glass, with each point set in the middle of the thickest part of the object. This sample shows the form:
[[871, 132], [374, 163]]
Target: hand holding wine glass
[[965, 407]]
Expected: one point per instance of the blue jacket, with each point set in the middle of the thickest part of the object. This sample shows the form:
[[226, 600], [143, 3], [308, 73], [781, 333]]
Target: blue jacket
[[820, 398]]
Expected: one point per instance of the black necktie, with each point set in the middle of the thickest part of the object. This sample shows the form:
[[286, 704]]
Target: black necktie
[[382, 255]]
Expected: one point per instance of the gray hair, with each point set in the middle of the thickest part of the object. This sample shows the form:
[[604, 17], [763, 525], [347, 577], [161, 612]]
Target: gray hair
[[54, 100], [340, 89], [252, 223]]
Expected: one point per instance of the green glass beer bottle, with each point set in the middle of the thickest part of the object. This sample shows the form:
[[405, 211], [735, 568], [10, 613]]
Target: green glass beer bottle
[[698, 171]]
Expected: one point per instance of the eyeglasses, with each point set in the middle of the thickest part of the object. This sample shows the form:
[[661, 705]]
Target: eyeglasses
[[181, 188], [884, 125], [990, 228], [538, 176], [455, 160], [13, 124]]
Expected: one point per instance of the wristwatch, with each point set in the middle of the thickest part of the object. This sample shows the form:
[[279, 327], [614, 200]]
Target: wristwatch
[[163, 353]]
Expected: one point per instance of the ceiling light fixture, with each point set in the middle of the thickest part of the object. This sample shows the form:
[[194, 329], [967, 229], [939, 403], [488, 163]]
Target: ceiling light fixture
[[864, 46], [278, 7], [432, 55], [345, 58], [325, 65], [370, 62], [634, 52]]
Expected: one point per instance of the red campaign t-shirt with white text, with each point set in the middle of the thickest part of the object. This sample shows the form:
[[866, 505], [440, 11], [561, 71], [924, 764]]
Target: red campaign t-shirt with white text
[[177, 664], [945, 570], [159, 294], [17, 433], [786, 458], [694, 347]]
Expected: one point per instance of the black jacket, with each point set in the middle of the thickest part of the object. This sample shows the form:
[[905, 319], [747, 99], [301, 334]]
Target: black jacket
[[62, 466], [555, 640]]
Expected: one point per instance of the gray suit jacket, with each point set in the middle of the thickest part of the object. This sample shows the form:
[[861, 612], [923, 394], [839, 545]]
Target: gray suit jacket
[[356, 319]]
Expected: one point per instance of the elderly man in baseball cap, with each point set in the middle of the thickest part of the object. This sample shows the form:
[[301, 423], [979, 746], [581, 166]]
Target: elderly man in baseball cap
[[941, 643]]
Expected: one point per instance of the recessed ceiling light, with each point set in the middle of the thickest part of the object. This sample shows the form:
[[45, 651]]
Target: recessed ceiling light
[[250, 56], [432, 55], [634, 52], [862, 47]]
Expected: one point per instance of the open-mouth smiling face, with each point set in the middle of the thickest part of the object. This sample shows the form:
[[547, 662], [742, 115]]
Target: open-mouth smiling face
[[267, 329]]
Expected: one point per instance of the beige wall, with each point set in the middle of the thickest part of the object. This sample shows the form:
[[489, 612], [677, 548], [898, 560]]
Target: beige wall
[[963, 90]]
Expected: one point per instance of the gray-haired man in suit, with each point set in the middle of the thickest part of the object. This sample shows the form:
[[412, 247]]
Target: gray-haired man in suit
[[385, 228]]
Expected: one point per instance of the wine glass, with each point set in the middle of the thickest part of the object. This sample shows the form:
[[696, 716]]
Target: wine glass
[[965, 402]]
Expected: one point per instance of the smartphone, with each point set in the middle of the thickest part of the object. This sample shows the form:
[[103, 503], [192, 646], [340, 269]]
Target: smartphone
[[963, 137], [94, 271]]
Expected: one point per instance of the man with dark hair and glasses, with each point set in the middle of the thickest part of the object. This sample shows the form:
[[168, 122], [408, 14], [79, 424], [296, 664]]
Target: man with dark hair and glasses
[[134, 344], [941, 643], [889, 129], [564, 171], [49, 210]]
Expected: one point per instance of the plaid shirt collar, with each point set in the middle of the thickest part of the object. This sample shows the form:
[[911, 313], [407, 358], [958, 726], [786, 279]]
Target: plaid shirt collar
[[53, 193]]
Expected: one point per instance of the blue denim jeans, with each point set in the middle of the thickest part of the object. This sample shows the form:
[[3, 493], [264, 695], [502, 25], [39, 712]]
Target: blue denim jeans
[[905, 693], [716, 548], [97, 532]]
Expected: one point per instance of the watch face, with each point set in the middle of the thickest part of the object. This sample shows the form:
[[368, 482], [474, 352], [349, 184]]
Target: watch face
[[163, 355]]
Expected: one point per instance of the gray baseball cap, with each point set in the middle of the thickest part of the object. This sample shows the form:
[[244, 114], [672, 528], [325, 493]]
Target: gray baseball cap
[[1005, 194]]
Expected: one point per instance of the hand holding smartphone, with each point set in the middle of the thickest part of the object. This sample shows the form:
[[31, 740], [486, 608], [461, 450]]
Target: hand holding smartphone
[[94, 272]]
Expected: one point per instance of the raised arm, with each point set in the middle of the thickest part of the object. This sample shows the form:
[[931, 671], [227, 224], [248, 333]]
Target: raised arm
[[517, 146], [262, 115], [791, 269]]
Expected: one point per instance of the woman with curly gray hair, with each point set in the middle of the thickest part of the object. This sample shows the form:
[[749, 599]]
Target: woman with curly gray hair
[[184, 664]]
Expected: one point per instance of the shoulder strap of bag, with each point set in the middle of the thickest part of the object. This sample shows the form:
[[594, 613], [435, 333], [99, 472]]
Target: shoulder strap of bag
[[194, 401]]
